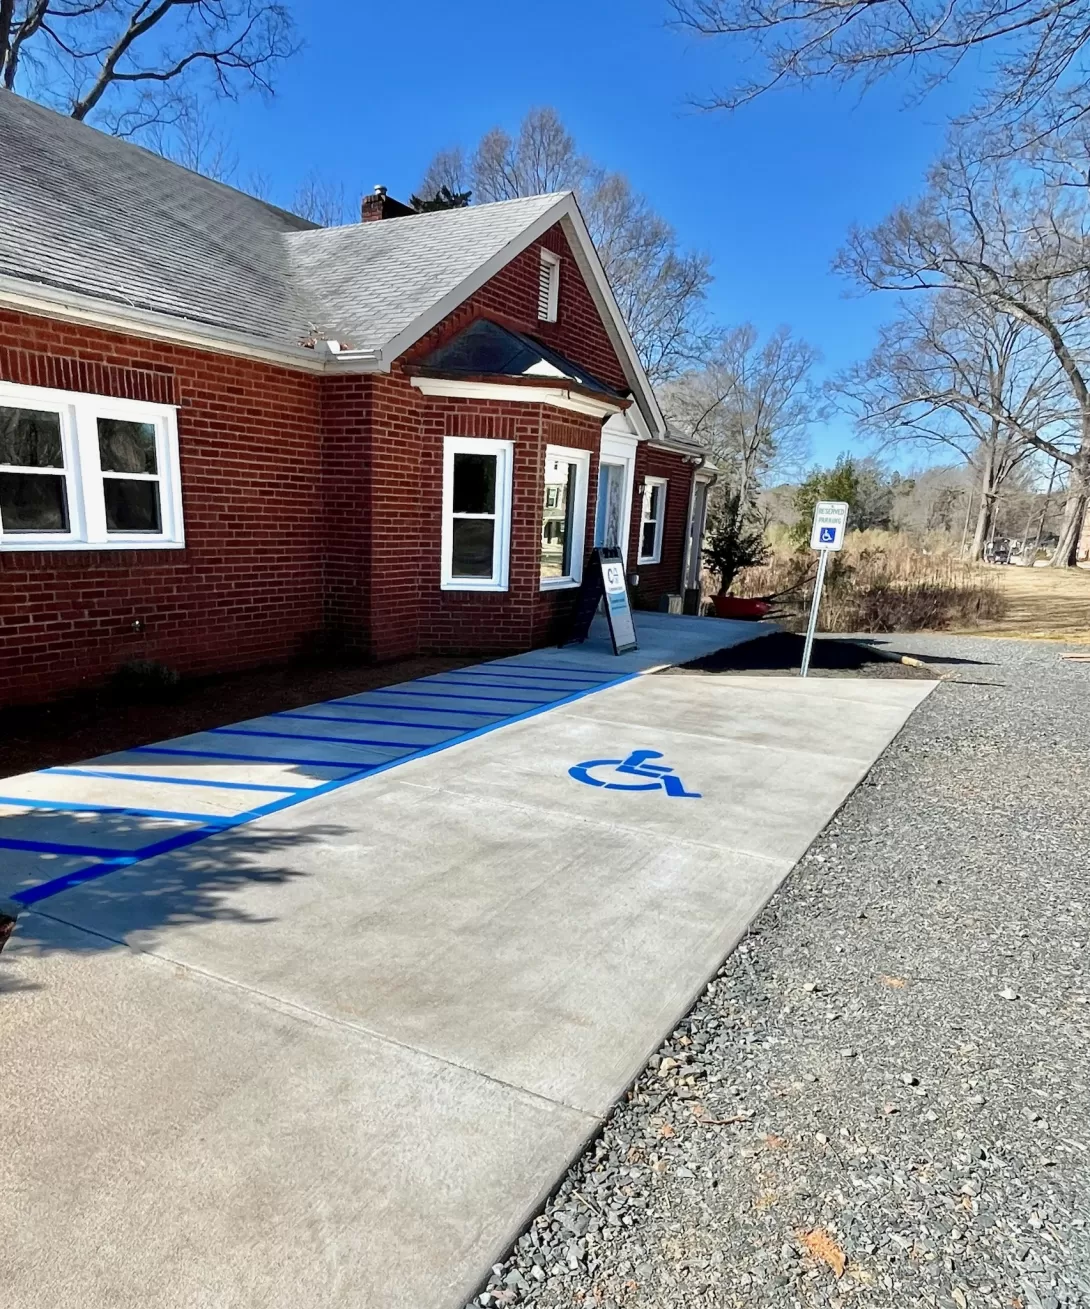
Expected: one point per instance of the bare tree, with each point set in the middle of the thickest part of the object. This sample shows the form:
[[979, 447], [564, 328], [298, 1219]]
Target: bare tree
[[1036, 44], [321, 200], [952, 373], [659, 288], [751, 402], [138, 65], [1009, 241]]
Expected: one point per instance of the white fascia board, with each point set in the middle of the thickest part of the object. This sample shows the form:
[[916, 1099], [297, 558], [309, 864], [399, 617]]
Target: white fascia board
[[566, 212], [443, 308], [557, 396], [71, 307]]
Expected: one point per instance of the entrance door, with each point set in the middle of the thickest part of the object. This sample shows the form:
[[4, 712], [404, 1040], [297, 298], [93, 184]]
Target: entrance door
[[694, 556], [609, 515]]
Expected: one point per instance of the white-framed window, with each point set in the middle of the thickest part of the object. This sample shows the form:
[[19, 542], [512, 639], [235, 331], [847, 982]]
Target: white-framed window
[[652, 518], [548, 286], [476, 513], [563, 516], [80, 472]]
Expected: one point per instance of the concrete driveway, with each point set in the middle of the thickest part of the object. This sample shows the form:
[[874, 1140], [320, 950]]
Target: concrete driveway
[[338, 1054]]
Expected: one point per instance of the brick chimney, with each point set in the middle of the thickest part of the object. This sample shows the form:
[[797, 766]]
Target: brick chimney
[[379, 205]]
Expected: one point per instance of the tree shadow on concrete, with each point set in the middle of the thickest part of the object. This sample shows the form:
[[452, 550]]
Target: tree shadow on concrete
[[194, 884]]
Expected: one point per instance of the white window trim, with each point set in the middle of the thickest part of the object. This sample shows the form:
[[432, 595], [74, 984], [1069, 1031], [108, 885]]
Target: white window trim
[[78, 411], [501, 544], [655, 557], [581, 460], [551, 262]]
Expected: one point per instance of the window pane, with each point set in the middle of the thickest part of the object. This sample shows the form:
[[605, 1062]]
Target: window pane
[[33, 502], [471, 552], [131, 506], [647, 540], [556, 519], [475, 485], [126, 447], [30, 438]]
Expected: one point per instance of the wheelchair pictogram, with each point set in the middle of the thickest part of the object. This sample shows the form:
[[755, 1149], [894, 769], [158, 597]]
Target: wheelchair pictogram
[[660, 776], [827, 535]]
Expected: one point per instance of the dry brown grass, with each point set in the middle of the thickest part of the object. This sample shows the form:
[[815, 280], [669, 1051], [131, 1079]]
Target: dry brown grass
[[1045, 604], [880, 583]]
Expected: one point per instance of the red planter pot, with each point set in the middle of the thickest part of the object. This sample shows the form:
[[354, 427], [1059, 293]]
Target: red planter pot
[[731, 606]]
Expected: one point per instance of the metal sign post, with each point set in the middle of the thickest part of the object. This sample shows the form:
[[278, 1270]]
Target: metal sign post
[[826, 535]]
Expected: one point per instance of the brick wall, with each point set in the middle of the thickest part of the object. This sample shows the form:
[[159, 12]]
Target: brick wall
[[247, 588], [663, 578], [312, 505], [408, 610], [510, 297]]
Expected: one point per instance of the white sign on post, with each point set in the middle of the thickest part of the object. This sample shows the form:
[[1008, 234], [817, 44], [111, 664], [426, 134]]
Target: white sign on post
[[830, 520], [827, 533]]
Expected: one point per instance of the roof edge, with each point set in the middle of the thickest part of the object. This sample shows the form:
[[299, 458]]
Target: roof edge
[[44, 301]]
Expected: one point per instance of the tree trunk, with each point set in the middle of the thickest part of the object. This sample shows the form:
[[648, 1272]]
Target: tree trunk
[[989, 489], [1071, 529], [1078, 492]]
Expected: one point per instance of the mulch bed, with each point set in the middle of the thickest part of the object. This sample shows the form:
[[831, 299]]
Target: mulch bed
[[91, 723], [780, 654]]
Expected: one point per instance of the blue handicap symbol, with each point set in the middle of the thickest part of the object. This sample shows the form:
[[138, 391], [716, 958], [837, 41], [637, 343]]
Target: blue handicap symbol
[[635, 765], [827, 535]]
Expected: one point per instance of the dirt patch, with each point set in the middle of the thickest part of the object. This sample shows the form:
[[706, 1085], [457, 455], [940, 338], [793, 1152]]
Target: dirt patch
[[91, 723], [780, 655]]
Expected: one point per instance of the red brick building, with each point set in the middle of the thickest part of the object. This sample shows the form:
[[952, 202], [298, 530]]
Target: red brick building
[[228, 437]]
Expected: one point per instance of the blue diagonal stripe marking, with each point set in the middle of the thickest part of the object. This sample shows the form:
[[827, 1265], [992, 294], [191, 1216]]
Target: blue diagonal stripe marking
[[177, 781], [303, 736], [244, 758], [76, 807]]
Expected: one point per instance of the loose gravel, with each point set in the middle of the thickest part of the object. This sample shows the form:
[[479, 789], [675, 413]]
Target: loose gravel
[[882, 1098]]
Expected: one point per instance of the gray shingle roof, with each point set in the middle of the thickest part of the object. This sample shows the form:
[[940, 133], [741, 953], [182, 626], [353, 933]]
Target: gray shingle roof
[[87, 213]]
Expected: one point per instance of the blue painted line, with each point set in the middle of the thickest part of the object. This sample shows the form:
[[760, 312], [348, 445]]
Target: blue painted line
[[499, 699], [370, 722], [244, 758], [175, 781], [121, 860], [572, 668], [514, 672], [496, 682], [57, 847], [33, 894], [70, 806], [303, 736], [422, 709]]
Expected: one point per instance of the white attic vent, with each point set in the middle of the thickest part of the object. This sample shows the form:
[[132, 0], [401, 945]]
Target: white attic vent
[[548, 286]]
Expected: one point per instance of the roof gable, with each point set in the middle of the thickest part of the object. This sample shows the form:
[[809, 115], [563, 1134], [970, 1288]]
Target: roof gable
[[97, 229]]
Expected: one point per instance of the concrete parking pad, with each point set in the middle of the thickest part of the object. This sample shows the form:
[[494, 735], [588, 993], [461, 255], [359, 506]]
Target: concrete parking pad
[[503, 938]]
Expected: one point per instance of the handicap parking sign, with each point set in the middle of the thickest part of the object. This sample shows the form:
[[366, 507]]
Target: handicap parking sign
[[613, 774], [827, 535]]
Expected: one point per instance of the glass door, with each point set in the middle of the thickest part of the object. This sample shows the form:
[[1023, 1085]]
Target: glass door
[[609, 513]]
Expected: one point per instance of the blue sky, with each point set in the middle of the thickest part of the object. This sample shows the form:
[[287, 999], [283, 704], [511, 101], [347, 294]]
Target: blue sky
[[769, 191]]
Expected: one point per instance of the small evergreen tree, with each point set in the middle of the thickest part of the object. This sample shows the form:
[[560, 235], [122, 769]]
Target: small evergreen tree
[[841, 482], [735, 540], [444, 198]]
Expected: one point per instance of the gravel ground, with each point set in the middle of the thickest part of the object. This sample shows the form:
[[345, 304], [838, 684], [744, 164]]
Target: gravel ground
[[882, 1098]]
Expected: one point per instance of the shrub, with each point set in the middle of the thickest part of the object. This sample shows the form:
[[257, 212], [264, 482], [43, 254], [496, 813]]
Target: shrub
[[734, 541], [146, 680], [871, 588]]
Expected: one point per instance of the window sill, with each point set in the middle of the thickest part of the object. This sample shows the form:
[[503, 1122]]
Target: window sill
[[560, 584], [650, 559], [9, 546], [484, 588]]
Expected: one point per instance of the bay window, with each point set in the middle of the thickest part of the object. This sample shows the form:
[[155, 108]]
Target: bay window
[[81, 471], [563, 517], [476, 544]]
